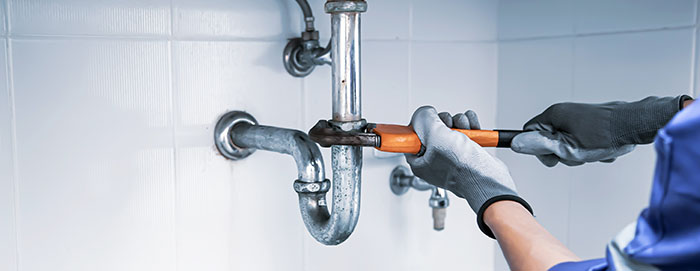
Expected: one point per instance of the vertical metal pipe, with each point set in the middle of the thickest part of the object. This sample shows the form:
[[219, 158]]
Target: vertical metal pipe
[[345, 52], [346, 161]]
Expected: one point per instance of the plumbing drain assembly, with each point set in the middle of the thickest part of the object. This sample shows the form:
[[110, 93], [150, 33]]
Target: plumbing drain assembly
[[237, 134]]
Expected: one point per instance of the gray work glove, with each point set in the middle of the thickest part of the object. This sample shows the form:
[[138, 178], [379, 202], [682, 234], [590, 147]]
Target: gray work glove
[[453, 161], [577, 133]]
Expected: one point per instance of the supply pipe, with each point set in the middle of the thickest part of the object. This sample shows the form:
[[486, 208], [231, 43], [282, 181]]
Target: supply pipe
[[308, 15]]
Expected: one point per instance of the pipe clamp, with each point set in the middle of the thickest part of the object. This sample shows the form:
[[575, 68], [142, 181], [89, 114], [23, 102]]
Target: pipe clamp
[[312, 187]]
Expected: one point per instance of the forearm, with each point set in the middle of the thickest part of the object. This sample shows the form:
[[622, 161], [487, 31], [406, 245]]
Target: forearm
[[686, 103], [525, 243]]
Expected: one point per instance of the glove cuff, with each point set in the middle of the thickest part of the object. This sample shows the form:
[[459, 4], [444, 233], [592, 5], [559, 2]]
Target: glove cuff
[[638, 122], [480, 214]]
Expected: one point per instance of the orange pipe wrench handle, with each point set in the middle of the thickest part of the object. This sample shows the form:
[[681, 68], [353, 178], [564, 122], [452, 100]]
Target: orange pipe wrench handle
[[402, 139]]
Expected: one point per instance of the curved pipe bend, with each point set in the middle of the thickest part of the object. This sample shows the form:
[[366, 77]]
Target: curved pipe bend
[[328, 228]]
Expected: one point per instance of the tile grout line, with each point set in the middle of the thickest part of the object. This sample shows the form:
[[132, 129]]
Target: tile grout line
[[15, 163], [13, 131], [173, 117], [597, 34]]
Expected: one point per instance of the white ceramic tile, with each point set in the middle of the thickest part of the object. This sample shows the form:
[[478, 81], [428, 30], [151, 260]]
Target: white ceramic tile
[[523, 19], [633, 66], [455, 20], [386, 19], [268, 19], [211, 78], [76, 17], [7, 218], [204, 205], [385, 82], [532, 75], [594, 16], [607, 197], [460, 77], [96, 186], [230, 212], [3, 17]]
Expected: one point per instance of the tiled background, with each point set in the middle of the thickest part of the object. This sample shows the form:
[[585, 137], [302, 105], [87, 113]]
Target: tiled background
[[107, 110]]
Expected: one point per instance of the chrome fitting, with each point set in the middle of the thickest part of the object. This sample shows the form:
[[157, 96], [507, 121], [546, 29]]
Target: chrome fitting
[[401, 180], [222, 134], [345, 6], [312, 187]]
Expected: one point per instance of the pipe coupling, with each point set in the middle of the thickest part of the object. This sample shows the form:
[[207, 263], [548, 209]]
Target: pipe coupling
[[312, 187], [349, 126], [345, 6]]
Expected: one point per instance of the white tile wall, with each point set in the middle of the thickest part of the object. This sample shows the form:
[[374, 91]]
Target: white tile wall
[[8, 234], [633, 66], [76, 17], [541, 18], [454, 20], [624, 15], [455, 77], [95, 160], [229, 212], [272, 19]]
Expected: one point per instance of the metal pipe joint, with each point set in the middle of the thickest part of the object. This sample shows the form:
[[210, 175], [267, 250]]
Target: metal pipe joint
[[401, 180]]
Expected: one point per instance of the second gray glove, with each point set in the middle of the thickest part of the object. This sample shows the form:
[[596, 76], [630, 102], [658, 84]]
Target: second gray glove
[[577, 133]]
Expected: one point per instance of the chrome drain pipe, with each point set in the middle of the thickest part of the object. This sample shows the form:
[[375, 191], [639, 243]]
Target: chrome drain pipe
[[237, 135]]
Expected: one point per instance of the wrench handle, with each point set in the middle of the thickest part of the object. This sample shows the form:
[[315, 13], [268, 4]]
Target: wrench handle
[[402, 139]]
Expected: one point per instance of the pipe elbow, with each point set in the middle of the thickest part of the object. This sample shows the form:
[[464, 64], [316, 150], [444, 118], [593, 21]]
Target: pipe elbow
[[329, 228]]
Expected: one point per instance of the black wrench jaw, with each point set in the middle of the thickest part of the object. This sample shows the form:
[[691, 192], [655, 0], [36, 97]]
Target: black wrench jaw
[[326, 134]]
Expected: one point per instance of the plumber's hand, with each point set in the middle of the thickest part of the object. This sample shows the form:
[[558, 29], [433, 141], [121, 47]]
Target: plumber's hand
[[577, 133], [453, 161]]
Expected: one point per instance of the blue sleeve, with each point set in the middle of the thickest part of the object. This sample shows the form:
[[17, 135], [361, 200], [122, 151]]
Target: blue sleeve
[[588, 265], [666, 235]]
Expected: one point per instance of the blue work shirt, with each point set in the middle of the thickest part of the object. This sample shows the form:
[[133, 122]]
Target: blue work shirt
[[666, 236]]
